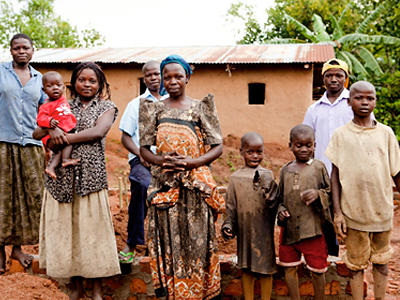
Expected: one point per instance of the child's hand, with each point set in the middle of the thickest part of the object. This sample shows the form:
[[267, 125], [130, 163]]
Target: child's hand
[[309, 196], [53, 123], [340, 225], [227, 233], [283, 215]]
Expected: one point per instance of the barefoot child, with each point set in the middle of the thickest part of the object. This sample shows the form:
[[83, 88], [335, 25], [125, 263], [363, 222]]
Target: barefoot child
[[56, 112], [251, 213], [304, 194], [365, 156]]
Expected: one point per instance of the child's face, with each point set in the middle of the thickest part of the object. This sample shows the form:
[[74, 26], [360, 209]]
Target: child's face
[[363, 101], [253, 153], [87, 84], [53, 86], [302, 146]]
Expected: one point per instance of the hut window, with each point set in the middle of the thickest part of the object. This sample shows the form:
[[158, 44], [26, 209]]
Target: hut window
[[142, 86], [256, 93]]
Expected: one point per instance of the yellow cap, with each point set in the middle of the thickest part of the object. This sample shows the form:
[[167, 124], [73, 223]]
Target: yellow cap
[[341, 65]]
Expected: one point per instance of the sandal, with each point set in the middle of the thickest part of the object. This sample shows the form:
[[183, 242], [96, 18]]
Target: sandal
[[125, 260]]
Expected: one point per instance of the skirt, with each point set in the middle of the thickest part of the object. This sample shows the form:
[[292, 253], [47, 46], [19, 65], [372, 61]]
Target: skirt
[[21, 190], [77, 238]]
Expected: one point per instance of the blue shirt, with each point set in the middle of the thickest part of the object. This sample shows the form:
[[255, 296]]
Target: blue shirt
[[130, 119], [19, 105]]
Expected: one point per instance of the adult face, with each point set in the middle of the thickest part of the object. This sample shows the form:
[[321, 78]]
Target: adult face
[[152, 77], [87, 84], [334, 80], [21, 51], [175, 79]]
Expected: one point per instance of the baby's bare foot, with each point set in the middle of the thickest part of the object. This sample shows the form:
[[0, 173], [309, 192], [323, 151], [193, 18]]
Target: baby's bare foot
[[51, 172], [70, 162]]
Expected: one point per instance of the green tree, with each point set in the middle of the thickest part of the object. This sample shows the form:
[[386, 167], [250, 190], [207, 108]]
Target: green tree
[[387, 109], [277, 27], [355, 48], [352, 48], [37, 19]]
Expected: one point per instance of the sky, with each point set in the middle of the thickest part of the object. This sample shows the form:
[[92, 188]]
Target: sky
[[149, 23]]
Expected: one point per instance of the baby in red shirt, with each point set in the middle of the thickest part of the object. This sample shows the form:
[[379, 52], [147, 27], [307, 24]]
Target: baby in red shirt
[[56, 112]]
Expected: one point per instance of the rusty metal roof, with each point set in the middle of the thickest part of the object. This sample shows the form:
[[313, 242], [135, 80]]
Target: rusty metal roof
[[238, 54]]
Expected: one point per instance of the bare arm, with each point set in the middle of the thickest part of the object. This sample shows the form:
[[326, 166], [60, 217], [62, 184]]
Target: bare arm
[[338, 219], [103, 125], [57, 136], [397, 181], [127, 142]]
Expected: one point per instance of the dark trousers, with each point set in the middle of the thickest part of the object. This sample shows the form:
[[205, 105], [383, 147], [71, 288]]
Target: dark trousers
[[140, 180]]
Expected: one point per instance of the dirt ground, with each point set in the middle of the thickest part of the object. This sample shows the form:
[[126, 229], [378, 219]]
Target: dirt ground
[[23, 286]]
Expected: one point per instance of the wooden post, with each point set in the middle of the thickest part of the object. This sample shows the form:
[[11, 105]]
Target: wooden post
[[120, 192], [126, 189]]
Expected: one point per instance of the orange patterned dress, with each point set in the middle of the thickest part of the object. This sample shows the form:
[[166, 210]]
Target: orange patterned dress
[[181, 235]]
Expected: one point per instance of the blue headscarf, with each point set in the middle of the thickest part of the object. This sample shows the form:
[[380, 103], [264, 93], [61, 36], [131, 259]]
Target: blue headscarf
[[177, 59]]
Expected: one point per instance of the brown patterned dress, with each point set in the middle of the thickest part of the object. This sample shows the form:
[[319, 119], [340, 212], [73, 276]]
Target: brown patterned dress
[[76, 230], [181, 236]]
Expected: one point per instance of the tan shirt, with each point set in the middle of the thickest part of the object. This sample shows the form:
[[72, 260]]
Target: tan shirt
[[367, 159]]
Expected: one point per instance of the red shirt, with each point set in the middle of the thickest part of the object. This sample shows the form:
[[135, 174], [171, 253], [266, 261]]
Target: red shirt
[[58, 110]]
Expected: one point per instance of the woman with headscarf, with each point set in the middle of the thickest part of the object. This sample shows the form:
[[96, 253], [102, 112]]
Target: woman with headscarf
[[181, 236]]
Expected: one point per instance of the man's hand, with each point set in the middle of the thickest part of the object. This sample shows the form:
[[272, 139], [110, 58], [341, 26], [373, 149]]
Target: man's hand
[[144, 163], [340, 225]]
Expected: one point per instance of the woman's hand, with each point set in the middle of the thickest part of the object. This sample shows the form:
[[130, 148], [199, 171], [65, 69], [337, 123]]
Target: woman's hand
[[176, 163], [179, 163], [58, 137]]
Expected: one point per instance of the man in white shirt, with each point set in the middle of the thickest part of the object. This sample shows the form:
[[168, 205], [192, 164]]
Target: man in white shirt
[[140, 170], [324, 116], [332, 110]]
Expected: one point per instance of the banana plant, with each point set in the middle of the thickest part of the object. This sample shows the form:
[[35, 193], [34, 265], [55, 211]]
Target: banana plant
[[350, 47]]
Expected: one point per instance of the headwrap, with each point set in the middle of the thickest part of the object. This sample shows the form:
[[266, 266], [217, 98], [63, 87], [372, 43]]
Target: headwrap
[[341, 65], [177, 59]]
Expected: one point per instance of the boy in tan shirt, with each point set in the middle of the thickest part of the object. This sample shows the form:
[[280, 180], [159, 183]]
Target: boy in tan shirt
[[365, 156]]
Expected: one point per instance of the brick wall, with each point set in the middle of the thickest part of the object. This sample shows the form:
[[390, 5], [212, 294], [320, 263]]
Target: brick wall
[[137, 284]]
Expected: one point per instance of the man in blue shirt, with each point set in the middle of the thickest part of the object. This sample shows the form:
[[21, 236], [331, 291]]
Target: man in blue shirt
[[140, 170], [21, 157]]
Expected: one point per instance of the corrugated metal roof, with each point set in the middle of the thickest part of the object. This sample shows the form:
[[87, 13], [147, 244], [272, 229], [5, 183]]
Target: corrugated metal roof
[[248, 54]]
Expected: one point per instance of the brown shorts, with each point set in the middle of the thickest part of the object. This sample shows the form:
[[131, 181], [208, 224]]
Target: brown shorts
[[363, 247]]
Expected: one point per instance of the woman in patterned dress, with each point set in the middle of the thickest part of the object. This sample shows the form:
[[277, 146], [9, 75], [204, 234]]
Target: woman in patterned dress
[[181, 237], [76, 232]]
